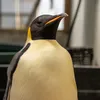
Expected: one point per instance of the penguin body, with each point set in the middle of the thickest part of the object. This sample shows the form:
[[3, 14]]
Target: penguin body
[[43, 76], [43, 71]]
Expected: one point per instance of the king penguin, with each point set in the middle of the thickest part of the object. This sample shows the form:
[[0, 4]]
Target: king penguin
[[42, 69]]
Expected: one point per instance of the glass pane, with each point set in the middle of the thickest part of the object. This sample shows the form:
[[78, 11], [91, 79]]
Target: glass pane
[[24, 20], [8, 22], [9, 6], [58, 7], [25, 9], [26, 6]]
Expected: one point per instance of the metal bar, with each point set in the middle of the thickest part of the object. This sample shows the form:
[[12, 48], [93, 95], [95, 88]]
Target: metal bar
[[68, 11], [51, 4], [72, 24], [0, 11], [17, 14], [33, 13]]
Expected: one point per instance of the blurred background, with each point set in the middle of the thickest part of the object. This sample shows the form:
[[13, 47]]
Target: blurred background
[[79, 33]]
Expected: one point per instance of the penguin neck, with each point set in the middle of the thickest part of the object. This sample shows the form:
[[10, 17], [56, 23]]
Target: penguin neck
[[48, 32], [44, 36], [43, 42]]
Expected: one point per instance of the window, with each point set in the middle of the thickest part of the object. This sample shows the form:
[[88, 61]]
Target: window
[[9, 9], [58, 6]]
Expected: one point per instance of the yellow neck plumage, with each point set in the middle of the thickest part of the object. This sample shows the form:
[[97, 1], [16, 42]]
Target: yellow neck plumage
[[29, 36]]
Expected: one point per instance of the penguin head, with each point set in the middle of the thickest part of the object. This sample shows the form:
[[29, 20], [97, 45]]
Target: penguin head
[[44, 27]]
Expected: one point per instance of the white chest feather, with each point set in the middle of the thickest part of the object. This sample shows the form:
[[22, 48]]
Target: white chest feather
[[44, 72]]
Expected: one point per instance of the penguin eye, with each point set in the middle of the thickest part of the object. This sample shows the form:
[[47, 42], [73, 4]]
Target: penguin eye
[[39, 22]]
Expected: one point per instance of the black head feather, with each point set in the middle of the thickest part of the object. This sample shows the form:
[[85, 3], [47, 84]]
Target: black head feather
[[41, 30]]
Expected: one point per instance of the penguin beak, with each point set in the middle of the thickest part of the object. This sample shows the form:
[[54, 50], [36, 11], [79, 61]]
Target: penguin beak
[[57, 17]]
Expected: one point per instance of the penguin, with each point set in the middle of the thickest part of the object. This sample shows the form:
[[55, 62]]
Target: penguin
[[42, 69]]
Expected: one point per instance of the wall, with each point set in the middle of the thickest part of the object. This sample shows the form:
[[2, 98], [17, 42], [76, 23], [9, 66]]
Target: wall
[[84, 29], [19, 37], [12, 37], [86, 32], [77, 39], [97, 36]]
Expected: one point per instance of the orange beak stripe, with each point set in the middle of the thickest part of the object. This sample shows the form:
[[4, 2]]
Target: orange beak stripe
[[52, 20]]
